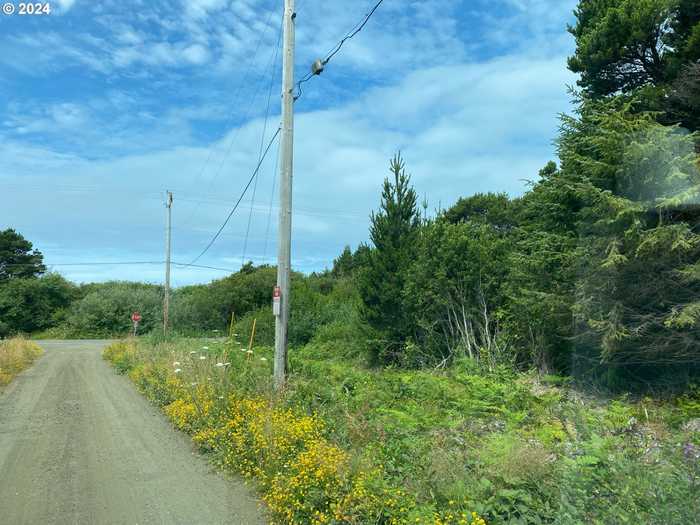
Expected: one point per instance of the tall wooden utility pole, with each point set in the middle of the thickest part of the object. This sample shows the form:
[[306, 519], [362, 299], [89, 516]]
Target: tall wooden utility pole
[[285, 219], [168, 236]]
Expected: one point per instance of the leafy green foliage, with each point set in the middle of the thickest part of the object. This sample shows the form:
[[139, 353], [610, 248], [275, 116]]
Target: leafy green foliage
[[453, 289], [29, 304], [497, 210], [635, 291], [209, 307], [105, 309], [683, 104]]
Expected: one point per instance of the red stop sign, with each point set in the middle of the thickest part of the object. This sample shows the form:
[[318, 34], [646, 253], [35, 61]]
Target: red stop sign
[[136, 317]]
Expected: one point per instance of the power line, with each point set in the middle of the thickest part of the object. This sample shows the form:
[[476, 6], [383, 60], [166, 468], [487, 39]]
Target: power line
[[118, 263], [229, 121], [272, 198], [335, 49], [183, 265], [235, 207], [262, 143], [311, 212]]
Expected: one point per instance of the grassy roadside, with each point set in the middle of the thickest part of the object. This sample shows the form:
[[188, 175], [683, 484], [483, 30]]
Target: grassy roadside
[[346, 444], [16, 355]]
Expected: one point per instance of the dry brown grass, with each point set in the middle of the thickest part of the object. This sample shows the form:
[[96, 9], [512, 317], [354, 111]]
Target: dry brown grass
[[16, 355]]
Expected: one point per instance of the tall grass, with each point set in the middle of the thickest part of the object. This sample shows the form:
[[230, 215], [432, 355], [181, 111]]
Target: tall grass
[[16, 355]]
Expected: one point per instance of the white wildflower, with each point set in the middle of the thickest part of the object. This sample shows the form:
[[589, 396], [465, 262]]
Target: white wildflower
[[205, 348], [176, 363], [219, 365], [178, 370], [202, 357], [263, 359], [249, 352]]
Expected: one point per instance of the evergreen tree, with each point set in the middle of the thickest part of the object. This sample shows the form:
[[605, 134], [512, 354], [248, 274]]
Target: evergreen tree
[[393, 233], [636, 310], [620, 44], [625, 45], [683, 104], [17, 258], [343, 266]]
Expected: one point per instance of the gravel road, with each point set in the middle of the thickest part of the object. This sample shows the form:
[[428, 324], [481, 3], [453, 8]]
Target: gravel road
[[79, 445]]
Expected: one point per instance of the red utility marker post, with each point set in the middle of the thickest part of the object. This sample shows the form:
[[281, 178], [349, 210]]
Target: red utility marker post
[[135, 318], [276, 300]]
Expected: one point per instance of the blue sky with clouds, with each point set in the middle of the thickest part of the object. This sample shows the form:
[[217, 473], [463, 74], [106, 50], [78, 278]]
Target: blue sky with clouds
[[105, 105]]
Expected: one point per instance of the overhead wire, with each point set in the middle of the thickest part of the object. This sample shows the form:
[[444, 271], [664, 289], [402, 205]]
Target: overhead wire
[[238, 202], [262, 141], [335, 49], [230, 118], [117, 263], [202, 266], [272, 198]]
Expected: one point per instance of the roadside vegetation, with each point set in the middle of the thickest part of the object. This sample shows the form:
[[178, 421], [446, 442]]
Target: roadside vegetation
[[16, 355], [346, 443]]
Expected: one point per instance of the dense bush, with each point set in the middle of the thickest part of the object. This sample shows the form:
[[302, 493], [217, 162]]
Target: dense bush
[[201, 308], [453, 292], [31, 304], [105, 309]]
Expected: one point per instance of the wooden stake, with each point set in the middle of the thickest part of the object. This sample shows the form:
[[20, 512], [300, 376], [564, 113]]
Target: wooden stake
[[252, 335], [230, 328]]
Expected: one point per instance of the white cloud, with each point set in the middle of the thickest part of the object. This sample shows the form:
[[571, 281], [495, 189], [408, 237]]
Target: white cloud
[[65, 5], [196, 54], [199, 9]]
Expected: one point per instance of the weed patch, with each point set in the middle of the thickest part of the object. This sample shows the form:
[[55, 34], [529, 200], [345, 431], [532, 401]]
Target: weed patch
[[16, 355]]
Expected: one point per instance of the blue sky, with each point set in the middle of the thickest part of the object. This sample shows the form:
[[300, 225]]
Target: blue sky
[[105, 105]]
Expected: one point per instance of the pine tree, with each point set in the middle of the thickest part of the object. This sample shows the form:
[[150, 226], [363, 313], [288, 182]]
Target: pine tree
[[18, 259], [393, 232]]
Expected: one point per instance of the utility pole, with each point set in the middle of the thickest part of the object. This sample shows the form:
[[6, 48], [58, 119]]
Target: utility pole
[[284, 235], [168, 235]]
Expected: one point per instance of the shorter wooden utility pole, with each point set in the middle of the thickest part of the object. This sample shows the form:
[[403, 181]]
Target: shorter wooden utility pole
[[168, 235]]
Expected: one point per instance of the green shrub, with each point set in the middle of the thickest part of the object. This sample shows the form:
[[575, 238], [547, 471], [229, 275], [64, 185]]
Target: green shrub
[[105, 310], [33, 304]]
